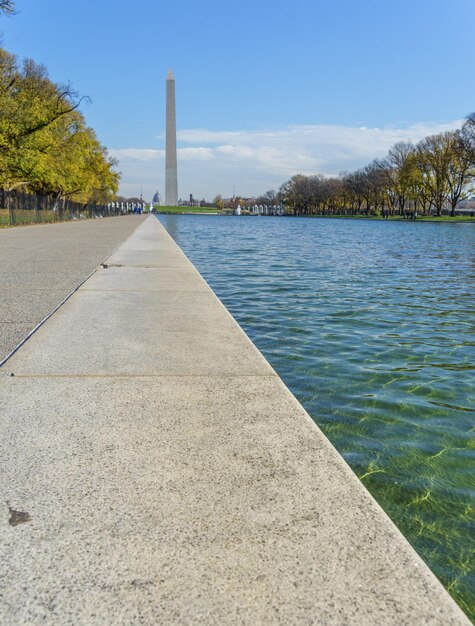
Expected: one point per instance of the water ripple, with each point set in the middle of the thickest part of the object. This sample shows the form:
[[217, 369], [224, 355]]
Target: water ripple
[[370, 324]]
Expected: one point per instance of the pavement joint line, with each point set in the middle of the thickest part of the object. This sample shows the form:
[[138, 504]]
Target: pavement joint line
[[200, 291], [31, 289], [43, 321], [38, 326], [165, 375], [152, 267], [185, 268]]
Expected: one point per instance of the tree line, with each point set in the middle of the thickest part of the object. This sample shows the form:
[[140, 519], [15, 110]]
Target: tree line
[[46, 147], [437, 172]]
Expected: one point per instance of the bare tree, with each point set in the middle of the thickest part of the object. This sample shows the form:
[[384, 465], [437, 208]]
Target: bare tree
[[7, 7], [439, 171], [270, 196], [396, 169], [460, 170], [467, 137], [432, 159], [295, 193]]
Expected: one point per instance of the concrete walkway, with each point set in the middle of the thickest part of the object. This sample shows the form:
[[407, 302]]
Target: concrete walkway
[[157, 471], [41, 265]]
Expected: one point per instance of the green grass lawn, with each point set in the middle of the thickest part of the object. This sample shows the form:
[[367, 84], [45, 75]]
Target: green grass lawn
[[26, 217], [434, 218], [420, 218], [447, 218]]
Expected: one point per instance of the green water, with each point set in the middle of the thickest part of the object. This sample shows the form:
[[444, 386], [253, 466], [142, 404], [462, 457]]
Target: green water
[[371, 325]]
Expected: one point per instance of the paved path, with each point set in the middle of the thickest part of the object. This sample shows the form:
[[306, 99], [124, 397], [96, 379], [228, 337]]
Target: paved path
[[41, 265], [158, 471]]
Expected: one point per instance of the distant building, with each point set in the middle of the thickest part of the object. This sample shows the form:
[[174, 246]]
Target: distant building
[[192, 202], [156, 198], [465, 207]]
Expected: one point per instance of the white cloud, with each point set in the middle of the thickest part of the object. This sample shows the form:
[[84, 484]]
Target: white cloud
[[138, 154], [211, 162], [198, 154]]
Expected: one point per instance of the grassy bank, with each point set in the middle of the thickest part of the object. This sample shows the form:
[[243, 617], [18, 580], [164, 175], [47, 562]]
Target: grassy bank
[[186, 210], [398, 218], [30, 217], [447, 218]]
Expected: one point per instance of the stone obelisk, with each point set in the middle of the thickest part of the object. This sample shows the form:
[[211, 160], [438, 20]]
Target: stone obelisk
[[171, 184]]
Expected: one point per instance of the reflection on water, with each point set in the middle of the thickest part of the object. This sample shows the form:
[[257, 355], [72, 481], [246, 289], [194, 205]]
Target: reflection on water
[[370, 324]]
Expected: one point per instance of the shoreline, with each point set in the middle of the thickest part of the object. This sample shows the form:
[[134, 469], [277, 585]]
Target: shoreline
[[174, 448], [396, 218]]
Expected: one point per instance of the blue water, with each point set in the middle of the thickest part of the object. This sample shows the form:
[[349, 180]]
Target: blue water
[[371, 325]]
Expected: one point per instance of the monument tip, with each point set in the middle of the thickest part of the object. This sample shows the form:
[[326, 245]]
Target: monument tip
[[170, 75]]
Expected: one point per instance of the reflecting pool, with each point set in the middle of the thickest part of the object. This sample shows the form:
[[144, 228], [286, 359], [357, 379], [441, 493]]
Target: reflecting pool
[[371, 325]]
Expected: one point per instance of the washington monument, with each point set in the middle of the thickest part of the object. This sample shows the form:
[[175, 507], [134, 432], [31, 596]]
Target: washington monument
[[171, 185]]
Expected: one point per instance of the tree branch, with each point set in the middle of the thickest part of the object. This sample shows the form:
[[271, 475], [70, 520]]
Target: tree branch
[[7, 7]]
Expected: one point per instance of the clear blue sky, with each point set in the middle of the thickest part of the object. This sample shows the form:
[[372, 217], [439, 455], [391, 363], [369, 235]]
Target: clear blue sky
[[273, 85]]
